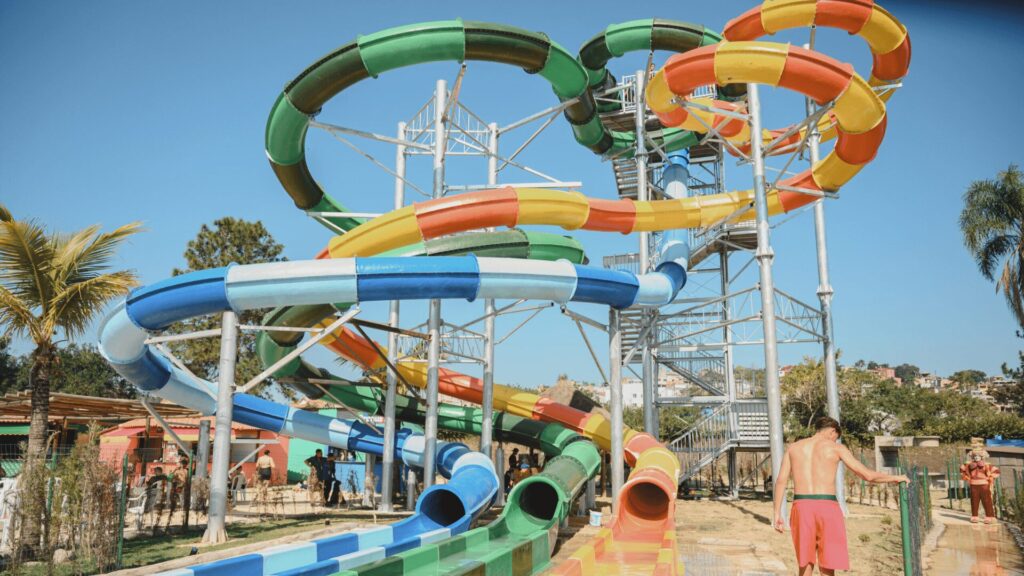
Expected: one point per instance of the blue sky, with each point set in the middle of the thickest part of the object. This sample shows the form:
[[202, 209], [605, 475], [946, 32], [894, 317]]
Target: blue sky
[[122, 111]]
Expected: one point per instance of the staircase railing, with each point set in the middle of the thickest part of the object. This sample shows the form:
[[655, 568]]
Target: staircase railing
[[728, 425], [705, 441], [703, 368]]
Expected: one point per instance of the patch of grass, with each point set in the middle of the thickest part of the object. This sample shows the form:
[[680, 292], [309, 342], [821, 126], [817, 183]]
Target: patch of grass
[[864, 538], [887, 520]]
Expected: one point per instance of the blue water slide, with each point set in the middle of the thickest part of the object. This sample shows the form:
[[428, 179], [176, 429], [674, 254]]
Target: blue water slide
[[675, 246], [442, 510]]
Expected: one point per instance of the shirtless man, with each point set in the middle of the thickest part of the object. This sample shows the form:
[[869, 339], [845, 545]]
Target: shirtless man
[[819, 532]]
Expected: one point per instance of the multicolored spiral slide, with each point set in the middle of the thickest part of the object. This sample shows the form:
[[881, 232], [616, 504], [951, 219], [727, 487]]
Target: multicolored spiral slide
[[447, 248]]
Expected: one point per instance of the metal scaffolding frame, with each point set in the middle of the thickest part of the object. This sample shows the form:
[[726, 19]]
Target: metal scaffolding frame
[[696, 336], [444, 126]]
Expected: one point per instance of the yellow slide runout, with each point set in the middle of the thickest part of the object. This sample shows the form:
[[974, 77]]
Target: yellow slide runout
[[660, 458]]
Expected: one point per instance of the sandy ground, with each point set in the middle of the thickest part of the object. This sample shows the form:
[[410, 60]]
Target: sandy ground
[[717, 537], [725, 538]]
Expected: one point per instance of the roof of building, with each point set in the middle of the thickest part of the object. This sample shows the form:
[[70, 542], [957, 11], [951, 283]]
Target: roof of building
[[17, 406], [175, 422]]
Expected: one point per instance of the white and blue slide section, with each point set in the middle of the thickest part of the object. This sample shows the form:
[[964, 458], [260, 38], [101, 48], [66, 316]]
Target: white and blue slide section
[[442, 510]]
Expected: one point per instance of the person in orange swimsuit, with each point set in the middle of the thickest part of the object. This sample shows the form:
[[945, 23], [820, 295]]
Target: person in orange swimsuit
[[816, 520], [981, 476]]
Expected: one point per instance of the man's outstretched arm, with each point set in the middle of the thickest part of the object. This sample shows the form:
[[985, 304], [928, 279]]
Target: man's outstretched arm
[[780, 492], [858, 468]]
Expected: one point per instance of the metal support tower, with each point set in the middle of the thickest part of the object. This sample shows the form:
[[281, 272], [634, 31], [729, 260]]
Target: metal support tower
[[764, 256], [387, 467], [487, 408], [215, 527], [434, 323], [649, 376], [615, 400], [825, 293]]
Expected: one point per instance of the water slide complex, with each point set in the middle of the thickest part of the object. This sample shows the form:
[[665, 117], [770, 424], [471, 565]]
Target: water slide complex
[[424, 251]]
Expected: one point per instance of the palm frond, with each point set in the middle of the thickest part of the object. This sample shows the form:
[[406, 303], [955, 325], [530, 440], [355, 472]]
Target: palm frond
[[26, 254], [74, 307], [993, 251], [16, 317], [85, 254], [5, 214]]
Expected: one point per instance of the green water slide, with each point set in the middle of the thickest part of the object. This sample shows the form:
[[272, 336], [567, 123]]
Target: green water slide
[[522, 538], [519, 542]]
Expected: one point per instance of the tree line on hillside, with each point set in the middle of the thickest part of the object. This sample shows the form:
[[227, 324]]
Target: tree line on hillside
[[871, 405]]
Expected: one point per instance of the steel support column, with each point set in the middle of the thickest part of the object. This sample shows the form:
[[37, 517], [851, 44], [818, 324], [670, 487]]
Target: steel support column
[[387, 458], [615, 401], [434, 321], [387, 466], [764, 256], [203, 452], [499, 468], [825, 298], [649, 366], [215, 527], [487, 401]]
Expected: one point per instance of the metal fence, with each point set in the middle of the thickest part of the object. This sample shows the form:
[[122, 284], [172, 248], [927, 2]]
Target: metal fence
[[915, 518]]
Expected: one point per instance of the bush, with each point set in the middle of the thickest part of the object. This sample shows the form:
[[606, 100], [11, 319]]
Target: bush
[[79, 515]]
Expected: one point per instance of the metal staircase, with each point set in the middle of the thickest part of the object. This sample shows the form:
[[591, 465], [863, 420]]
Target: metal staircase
[[740, 425], [703, 368], [695, 341]]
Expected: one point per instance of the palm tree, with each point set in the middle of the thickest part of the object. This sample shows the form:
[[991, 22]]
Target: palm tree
[[992, 223], [50, 285], [53, 285]]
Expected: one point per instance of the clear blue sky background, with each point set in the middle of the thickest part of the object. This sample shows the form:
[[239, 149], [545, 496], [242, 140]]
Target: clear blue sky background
[[121, 111]]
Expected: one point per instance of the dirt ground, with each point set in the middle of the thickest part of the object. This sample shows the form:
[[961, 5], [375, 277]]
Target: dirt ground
[[740, 533]]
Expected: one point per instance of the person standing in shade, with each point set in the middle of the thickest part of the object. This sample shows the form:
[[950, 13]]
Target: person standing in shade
[[332, 486], [819, 530], [265, 468], [981, 476], [513, 464], [317, 463]]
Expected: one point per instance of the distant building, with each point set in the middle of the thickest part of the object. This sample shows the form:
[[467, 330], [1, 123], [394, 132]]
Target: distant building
[[884, 372], [929, 381], [887, 450]]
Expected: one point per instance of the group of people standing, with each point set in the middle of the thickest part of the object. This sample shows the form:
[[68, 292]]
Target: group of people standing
[[520, 466], [323, 483]]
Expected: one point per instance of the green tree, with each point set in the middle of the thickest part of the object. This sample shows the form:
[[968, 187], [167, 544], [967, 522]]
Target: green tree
[[992, 223], [966, 379], [673, 421], [1012, 395], [8, 367], [228, 241], [907, 373], [52, 285], [81, 369]]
